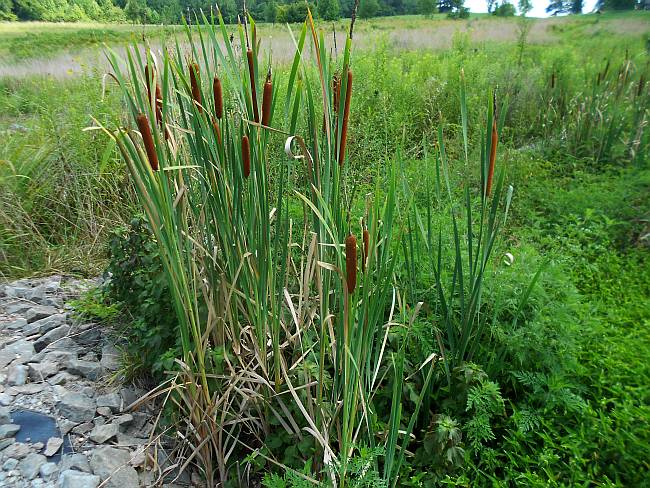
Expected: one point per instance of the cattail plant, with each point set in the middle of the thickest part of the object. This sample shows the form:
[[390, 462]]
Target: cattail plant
[[251, 74], [218, 97], [346, 118], [494, 140], [267, 98], [147, 139], [351, 262], [366, 247], [246, 156], [195, 85]]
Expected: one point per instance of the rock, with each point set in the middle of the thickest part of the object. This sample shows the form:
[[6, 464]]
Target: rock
[[124, 420], [10, 464], [17, 450], [110, 400], [31, 465], [16, 291], [20, 352], [77, 479], [29, 388], [66, 426], [61, 378], [18, 308], [49, 471], [45, 325], [5, 399], [8, 430], [78, 462], [19, 323], [113, 465], [77, 407], [60, 357], [88, 334], [53, 446], [6, 442], [5, 416], [52, 302], [17, 375], [52, 336], [103, 433], [42, 370], [130, 441], [83, 428], [110, 358], [39, 312], [88, 369], [104, 411], [131, 395]]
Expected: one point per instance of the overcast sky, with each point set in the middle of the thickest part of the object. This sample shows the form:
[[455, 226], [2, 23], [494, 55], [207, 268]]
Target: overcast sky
[[539, 6]]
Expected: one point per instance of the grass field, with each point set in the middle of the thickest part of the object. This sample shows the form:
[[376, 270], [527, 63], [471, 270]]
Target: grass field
[[557, 390]]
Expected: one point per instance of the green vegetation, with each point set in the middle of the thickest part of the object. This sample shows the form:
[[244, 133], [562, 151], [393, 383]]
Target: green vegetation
[[509, 353]]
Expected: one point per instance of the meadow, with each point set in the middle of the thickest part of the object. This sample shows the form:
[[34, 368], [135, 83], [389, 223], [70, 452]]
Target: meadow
[[490, 178]]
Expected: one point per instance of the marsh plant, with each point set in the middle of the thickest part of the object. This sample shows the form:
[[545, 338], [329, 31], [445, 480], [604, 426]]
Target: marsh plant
[[292, 326]]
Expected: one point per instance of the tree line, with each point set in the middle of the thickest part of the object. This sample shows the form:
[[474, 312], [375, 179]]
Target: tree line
[[282, 11]]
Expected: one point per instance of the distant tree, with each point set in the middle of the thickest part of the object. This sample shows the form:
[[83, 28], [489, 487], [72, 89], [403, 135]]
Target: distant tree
[[455, 9], [525, 6], [6, 10], [135, 10], [427, 7], [505, 10], [558, 7], [616, 5], [491, 4], [329, 9], [270, 12], [368, 8], [229, 11], [576, 6]]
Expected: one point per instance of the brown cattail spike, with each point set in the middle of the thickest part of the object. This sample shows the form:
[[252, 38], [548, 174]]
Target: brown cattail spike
[[217, 131], [351, 262], [267, 99], [218, 97], [366, 247], [251, 74], [195, 85], [639, 90], [346, 117], [145, 130], [493, 155], [246, 156]]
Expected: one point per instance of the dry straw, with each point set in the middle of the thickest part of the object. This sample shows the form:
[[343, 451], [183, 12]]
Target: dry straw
[[145, 130]]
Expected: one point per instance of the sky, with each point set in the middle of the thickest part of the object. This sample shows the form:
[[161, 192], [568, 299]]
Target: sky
[[539, 6]]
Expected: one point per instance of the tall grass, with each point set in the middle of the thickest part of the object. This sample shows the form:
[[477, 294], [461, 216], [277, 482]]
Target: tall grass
[[280, 324]]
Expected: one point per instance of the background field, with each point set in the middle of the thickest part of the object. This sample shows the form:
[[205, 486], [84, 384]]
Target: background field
[[574, 376]]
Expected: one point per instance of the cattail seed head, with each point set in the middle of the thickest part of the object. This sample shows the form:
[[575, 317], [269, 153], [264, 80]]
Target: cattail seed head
[[267, 98], [217, 131], [346, 117], [218, 97], [639, 90], [246, 156], [251, 73], [145, 130], [195, 85], [351, 262], [493, 155], [366, 247]]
